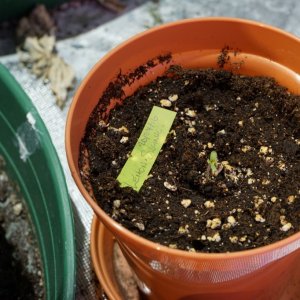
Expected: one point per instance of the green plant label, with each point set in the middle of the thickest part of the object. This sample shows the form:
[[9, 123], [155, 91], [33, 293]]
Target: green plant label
[[146, 150]]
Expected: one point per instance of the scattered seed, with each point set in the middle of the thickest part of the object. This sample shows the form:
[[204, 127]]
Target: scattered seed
[[209, 204], [246, 148], [283, 221], [214, 223], [226, 226], [190, 113], [186, 82], [281, 165], [173, 97], [258, 201], [117, 203], [269, 159], [241, 123], [192, 130], [17, 208], [263, 150], [291, 199], [221, 132], [273, 199], [227, 166], [238, 98], [251, 180], [265, 181], [249, 172], [210, 145], [286, 227], [259, 218], [186, 202], [208, 107], [170, 187], [215, 238], [140, 226], [173, 246], [183, 229], [231, 220], [165, 103], [233, 239], [203, 237], [191, 250], [123, 129], [243, 238], [124, 140]]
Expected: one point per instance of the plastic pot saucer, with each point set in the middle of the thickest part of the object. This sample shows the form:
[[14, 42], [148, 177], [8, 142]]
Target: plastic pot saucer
[[33, 164]]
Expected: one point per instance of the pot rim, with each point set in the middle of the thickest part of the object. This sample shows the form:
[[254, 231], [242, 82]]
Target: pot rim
[[117, 226]]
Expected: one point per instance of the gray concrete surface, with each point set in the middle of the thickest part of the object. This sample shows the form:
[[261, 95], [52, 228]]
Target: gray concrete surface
[[84, 50]]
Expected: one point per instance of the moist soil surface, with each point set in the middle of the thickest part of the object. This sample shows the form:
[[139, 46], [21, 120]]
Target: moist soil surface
[[21, 274], [249, 200]]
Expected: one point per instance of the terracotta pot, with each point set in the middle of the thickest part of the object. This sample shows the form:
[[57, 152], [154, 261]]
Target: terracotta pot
[[165, 273]]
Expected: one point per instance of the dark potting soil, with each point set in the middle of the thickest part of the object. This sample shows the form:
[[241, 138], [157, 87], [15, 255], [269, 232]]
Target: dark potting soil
[[21, 274], [253, 199]]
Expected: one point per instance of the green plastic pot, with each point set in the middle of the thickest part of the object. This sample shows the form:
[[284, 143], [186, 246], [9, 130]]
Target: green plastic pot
[[33, 164], [11, 9]]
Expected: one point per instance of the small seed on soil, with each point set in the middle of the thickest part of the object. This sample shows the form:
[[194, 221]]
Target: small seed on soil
[[124, 140], [208, 107], [281, 165], [238, 98], [291, 199], [165, 103], [283, 221], [192, 130], [231, 220], [17, 208], [186, 82], [117, 203], [203, 237], [173, 246], [191, 250], [241, 123], [183, 229], [215, 238], [123, 129], [209, 204], [273, 199], [246, 148], [269, 159], [173, 97], [214, 223], [249, 172], [263, 150], [221, 132], [233, 239], [170, 187], [140, 226], [210, 145], [265, 181], [186, 202], [190, 113], [227, 166], [251, 180], [286, 227], [258, 201], [243, 238], [259, 218]]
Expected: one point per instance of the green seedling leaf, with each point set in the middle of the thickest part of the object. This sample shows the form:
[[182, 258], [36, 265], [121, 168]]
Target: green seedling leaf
[[213, 162], [146, 150]]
